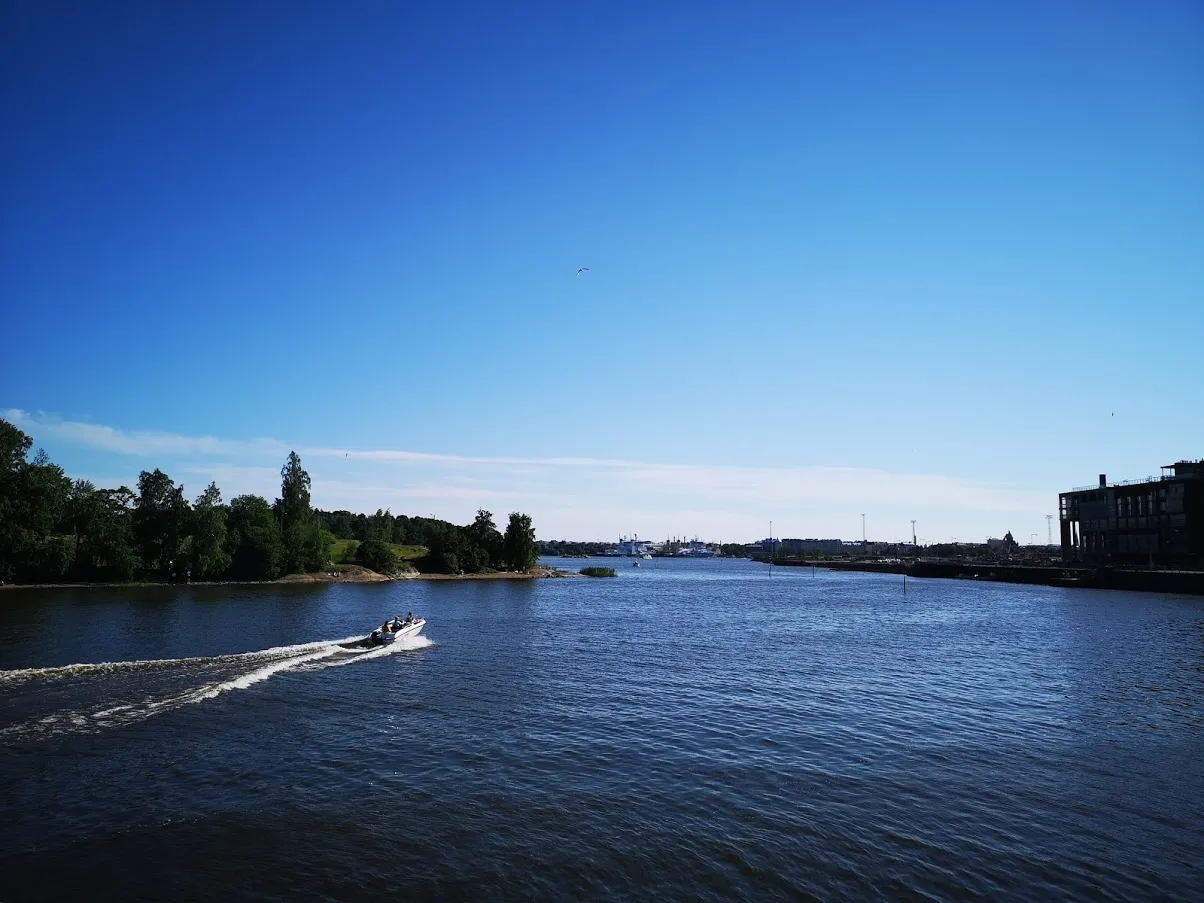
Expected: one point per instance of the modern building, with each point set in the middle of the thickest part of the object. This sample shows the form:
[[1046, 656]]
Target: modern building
[[1155, 522]]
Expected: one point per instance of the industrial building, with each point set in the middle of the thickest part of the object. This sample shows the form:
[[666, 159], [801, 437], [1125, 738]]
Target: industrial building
[[1156, 522]]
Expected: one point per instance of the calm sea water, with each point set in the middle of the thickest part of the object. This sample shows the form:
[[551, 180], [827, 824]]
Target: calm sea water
[[690, 730]]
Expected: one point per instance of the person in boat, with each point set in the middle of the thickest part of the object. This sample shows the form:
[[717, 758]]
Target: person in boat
[[410, 617]]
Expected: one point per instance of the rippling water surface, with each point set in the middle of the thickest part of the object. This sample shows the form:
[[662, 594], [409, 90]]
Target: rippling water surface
[[690, 730]]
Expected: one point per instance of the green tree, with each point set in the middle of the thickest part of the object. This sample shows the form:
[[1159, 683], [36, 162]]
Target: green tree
[[14, 445], [207, 554], [293, 506], [445, 548], [484, 542], [519, 542], [306, 544], [160, 521], [33, 496], [110, 552], [401, 529], [253, 539], [80, 515], [376, 555], [380, 526]]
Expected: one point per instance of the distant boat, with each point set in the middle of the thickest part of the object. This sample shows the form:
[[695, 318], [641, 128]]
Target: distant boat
[[646, 555], [696, 549]]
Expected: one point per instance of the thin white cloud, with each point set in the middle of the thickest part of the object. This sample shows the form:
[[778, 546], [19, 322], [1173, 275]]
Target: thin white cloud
[[599, 492], [410, 457], [141, 443]]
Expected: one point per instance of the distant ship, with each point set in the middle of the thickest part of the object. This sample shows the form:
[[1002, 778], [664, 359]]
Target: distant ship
[[696, 549], [631, 547]]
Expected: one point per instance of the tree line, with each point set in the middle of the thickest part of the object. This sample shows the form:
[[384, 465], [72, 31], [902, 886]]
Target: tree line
[[450, 549], [55, 529]]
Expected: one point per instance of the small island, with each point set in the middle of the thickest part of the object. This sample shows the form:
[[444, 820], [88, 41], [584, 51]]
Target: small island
[[598, 572]]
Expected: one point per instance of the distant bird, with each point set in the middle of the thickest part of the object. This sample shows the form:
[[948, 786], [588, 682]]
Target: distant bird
[[582, 270]]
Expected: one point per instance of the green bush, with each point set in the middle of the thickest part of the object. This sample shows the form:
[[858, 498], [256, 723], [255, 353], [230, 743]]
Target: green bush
[[376, 555], [599, 572]]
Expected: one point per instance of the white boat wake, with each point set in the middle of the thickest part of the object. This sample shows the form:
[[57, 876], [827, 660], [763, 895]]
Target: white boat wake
[[115, 694]]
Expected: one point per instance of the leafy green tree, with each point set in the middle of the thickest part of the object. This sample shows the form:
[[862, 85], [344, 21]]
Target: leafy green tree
[[474, 560], [401, 530], [488, 543], [81, 513], [253, 539], [376, 555], [101, 524], [80, 508], [109, 550], [14, 446], [380, 526], [160, 521], [339, 523], [306, 544], [445, 548], [293, 505], [519, 542], [207, 554], [33, 496]]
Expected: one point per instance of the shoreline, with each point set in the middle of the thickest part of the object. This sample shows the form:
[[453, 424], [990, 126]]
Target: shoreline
[[1188, 583], [361, 575]]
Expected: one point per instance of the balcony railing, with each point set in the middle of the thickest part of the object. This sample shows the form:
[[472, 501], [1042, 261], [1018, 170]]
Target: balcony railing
[[1123, 483]]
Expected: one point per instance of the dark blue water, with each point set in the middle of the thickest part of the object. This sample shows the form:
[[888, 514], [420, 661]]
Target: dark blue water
[[690, 730]]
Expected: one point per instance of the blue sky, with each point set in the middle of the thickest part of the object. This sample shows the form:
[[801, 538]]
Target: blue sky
[[933, 261]]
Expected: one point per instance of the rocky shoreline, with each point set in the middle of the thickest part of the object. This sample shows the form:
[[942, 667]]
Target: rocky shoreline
[[355, 574]]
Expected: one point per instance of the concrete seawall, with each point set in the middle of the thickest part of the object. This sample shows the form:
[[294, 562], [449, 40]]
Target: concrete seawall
[[1188, 582]]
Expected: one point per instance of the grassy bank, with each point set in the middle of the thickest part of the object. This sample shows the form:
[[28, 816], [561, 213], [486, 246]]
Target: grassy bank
[[342, 553]]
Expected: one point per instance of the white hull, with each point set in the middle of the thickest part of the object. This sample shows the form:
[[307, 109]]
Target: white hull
[[412, 630], [389, 637]]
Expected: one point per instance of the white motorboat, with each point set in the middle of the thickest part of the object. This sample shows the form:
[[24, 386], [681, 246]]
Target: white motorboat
[[390, 631]]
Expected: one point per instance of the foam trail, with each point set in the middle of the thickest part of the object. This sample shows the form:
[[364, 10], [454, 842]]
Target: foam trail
[[144, 689], [408, 644], [22, 675]]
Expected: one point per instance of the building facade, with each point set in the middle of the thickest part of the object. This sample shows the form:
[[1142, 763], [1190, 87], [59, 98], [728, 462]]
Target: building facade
[[812, 547], [1158, 522]]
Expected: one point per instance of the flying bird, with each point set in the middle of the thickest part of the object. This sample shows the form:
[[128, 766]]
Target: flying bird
[[582, 270]]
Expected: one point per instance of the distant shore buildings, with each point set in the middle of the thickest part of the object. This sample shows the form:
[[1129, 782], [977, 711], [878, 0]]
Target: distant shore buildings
[[632, 547], [796, 548], [1155, 522]]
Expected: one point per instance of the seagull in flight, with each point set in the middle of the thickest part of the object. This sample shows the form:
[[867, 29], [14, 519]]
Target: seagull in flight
[[582, 270]]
